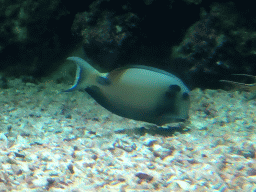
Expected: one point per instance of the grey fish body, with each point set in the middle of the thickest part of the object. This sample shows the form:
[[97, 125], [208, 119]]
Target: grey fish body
[[136, 92]]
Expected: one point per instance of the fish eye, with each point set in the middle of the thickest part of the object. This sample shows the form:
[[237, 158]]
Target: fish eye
[[185, 95]]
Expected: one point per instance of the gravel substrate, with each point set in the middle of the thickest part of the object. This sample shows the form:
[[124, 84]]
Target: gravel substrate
[[55, 141]]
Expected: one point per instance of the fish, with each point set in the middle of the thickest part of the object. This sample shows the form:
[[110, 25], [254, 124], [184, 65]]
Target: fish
[[250, 87], [244, 82], [136, 92]]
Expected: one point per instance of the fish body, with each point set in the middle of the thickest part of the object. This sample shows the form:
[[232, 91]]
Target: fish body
[[136, 92]]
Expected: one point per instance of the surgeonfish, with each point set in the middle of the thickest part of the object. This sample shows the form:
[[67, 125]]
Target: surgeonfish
[[137, 92], [241, 85]]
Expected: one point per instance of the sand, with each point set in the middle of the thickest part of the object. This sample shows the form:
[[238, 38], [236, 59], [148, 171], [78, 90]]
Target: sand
[[55, 141]]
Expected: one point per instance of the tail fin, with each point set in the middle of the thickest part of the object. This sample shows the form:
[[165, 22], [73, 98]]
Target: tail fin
[[86, 75]]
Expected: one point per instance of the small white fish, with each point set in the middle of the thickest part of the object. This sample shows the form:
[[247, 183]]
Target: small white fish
[[136, 92]]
